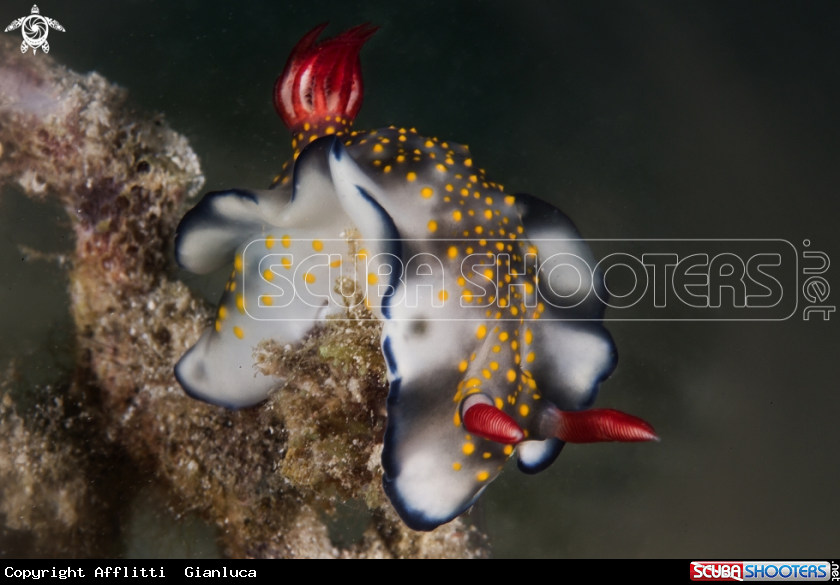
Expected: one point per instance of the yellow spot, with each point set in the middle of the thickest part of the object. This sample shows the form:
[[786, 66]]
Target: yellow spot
[[329, 130], [269, 242], [456, 420], [465, 192], [443, 295], [317, 245], [482, 476], [306, 126], [377, 148], [488, 214], [286, 262], [530, 357], [503, 336], [372, 278], [510, 199], [400, 158], [452, 252], [240, 303], [496, 348], [363, 253], [335, 263], [222, 313], [468, 448], [238, 332], [529, 337], [412, 176], [508, 449], [468, 162], [489, 273], [268, 275], [449, 188], [429, 144], [514, 345], [499, 403], [309, 278], [218, 326], [481, 332], [427, 192], [500, 246], [440, 167], [461, 281], [387, 169], [237, 263], [487, 455], [455, 466], [232, 286], [511, 376], [479, 230], [524, 410], [432, 225], [457, 215], [267, 300], [485, 373], [286, 241], [494, 366]]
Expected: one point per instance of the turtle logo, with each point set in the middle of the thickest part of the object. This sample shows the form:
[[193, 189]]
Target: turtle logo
[[35, 30]]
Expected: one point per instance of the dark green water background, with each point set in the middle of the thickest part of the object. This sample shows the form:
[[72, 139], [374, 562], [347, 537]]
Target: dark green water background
[[640, 120]]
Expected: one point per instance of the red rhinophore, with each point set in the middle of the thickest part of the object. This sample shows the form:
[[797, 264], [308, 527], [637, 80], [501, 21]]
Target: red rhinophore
[[491, 423], [601, 424], [323, 79]]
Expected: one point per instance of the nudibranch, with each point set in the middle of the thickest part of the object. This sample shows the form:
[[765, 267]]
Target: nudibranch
[[492, 348]]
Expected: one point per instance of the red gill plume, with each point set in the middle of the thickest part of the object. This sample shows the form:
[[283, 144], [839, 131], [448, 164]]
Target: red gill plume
[[322, 82]]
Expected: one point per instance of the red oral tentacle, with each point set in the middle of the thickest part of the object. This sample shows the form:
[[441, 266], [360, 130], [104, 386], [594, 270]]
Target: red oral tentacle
[[491, 423], [602, 424], [323, 79]]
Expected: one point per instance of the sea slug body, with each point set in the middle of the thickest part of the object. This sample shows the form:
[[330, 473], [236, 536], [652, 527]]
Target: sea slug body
[[492, 349]]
